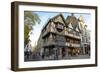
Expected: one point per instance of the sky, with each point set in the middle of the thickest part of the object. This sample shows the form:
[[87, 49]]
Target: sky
[[45, 16]]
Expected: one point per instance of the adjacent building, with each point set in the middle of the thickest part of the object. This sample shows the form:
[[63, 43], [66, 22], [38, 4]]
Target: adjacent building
[[85, 36]]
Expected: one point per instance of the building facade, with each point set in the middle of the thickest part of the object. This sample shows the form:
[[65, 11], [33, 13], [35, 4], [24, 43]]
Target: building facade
[[85, 36], [61, 38]]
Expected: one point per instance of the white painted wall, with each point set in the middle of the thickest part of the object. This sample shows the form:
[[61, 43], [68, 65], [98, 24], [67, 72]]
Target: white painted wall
[[5, 32]]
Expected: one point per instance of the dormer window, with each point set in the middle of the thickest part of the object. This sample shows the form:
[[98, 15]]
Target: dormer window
[[60, 27]]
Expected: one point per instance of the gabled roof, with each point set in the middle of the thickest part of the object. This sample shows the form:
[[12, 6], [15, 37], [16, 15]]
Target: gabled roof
[[73, 20], [47, 23], [57, 18], [69, 20]]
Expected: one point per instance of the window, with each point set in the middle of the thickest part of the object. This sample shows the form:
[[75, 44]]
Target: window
[[67, 40], [60, 27]]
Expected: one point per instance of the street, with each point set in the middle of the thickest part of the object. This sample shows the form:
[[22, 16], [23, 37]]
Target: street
[[37, 57]]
